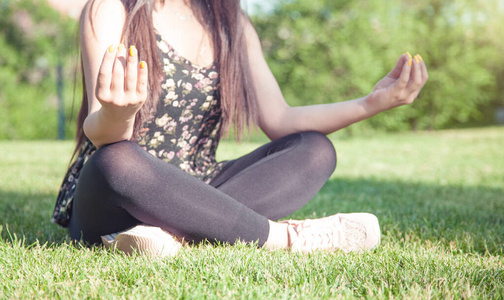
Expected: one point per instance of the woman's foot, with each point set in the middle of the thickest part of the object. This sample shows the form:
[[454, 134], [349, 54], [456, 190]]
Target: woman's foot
[[149, 240], [346, 232], [355, 232]]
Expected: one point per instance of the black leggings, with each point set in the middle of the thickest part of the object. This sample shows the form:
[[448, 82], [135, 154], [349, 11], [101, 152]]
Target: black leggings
[[122, 185]]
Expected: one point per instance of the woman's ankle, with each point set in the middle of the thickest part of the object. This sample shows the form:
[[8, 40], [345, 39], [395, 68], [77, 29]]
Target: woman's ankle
[[278, 237]]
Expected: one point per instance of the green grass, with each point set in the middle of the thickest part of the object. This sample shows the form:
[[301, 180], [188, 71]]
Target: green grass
[[439, 197]]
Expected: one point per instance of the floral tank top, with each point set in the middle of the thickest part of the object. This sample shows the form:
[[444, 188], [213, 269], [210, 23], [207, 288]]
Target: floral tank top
[[184, 131], [185, 128]]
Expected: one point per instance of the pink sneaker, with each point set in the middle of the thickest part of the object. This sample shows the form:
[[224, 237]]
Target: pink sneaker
[[347, 232], [149, 240]]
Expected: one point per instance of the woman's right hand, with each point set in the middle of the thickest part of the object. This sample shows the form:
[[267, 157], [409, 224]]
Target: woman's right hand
[[121, 85]]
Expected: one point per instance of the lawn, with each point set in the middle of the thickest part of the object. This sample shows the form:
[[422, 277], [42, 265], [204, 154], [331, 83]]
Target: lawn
[[439, 197]]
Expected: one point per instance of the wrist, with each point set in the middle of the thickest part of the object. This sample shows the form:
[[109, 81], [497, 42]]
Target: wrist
[[118, 125], [371, 104], [110, 115], [101, 129]]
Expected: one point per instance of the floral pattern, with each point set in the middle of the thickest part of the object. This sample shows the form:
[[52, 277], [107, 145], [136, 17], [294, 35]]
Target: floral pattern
[[63, 208], [185, 128]]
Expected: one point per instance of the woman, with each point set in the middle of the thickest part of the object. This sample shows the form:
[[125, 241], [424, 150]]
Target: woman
[[189, 72]]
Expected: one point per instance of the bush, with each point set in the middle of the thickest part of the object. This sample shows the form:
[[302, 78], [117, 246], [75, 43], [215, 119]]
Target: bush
[[324, 51], [34, 40], [320, 51]]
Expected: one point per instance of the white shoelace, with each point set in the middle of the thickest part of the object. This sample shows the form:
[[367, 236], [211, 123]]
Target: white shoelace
[[330, 233]]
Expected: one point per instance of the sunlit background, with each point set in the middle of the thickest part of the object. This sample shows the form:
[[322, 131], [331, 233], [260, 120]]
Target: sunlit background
[[73, 8], [320, 51]]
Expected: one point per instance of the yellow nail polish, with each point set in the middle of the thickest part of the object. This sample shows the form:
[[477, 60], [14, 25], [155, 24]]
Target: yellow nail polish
[[417, 60], [132, 51], [142, 64], [111, 48], [409, 62], [419, 57], [409, 55], [120, 48]]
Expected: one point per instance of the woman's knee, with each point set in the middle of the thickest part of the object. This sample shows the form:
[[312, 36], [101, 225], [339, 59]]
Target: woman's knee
[[111, 163], [115, 153], [320, 151], [119, 155]]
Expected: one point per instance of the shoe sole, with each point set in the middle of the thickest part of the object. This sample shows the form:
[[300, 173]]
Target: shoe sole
[[147, 240]]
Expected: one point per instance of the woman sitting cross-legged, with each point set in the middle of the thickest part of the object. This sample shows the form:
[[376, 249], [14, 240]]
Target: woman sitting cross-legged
[[163, 81]]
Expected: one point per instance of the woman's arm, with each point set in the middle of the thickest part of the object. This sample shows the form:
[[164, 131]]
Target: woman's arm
[[116, 87], [276, 118]]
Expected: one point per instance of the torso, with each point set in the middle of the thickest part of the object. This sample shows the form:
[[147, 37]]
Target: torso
[[185, 128]]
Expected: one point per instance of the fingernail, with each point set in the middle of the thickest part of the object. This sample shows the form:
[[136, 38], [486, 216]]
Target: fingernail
[[111, 48], [132, 51], [121, 47], [419, 57], [417, 60], [409, 55], [142, 64], [409, 62]]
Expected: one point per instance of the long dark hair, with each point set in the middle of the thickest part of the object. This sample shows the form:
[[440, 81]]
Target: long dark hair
[[226, 24]]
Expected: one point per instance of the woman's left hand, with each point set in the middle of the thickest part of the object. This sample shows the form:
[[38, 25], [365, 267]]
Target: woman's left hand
[[401, 86]]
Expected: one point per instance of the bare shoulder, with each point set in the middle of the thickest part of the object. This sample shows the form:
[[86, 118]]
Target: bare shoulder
[[102, 16], [104, 8]]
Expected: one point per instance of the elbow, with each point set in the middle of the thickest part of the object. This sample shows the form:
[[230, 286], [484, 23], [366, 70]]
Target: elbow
[[278, 125], [269, 133], [272, 136], [90, 133], [273, 131]]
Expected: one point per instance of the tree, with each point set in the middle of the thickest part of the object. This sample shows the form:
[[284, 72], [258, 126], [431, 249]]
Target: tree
[[33, 39], [325, 50]]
